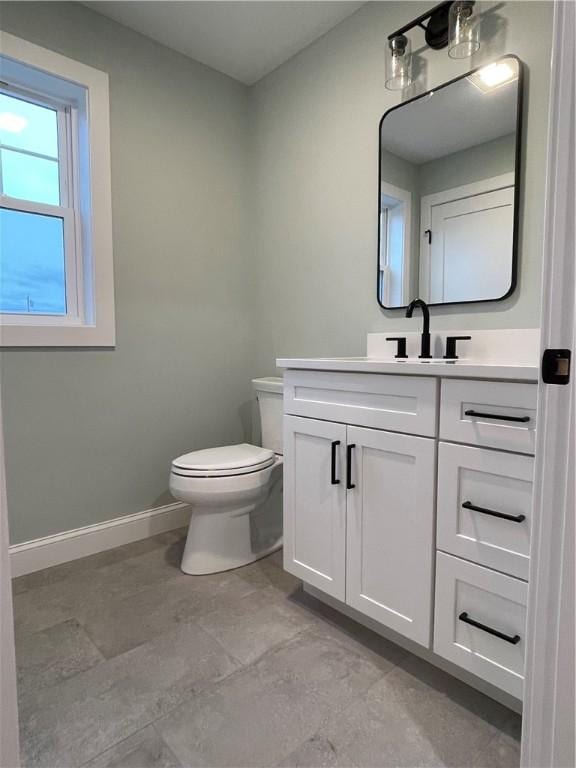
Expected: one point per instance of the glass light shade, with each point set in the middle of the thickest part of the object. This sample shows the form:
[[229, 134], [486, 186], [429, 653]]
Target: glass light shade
[[398, 64], [463, 30]]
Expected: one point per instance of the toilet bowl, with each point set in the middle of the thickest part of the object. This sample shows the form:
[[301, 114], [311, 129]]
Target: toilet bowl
[[235, 492]]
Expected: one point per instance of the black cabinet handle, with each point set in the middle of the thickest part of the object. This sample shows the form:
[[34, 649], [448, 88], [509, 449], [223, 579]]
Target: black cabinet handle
[[509, 639], [333, 479], [493, 513], [349, 483], [497, 416]]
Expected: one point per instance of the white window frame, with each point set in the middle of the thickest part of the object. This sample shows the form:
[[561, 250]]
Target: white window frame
[[80, 95], [392, 197]]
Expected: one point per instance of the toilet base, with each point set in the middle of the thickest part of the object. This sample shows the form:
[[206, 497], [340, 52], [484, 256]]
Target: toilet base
[[221, 537], [199, 560]]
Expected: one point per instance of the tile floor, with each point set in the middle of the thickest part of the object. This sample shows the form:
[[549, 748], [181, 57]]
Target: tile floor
[[125, 661]]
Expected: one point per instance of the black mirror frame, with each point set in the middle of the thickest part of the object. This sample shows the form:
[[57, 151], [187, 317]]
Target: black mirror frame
[[517, 175]]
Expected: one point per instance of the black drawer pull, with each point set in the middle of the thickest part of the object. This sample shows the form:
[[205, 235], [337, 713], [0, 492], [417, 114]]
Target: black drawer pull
[[498, 416], [349, 483], [484, 511], [467, 620], [333, 479]]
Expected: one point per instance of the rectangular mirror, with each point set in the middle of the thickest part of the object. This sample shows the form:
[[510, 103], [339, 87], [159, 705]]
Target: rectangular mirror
[[448, 199]]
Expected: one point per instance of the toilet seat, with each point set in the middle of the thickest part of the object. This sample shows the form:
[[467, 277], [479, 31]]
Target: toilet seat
[[225, 461]]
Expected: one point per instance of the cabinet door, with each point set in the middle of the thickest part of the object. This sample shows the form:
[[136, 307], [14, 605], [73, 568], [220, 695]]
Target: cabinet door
[[315, 503], [391, 530]]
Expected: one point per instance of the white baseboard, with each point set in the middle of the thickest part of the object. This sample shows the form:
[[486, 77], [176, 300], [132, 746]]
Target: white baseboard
[[34, 555]]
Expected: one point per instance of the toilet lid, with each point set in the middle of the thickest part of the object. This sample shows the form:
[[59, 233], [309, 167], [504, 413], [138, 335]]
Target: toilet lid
[[225, 460]]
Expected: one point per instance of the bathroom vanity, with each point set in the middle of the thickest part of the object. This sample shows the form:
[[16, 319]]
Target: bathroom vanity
[[407, 493]]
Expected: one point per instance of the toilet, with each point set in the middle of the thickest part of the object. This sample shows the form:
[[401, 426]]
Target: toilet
[[235, 492]]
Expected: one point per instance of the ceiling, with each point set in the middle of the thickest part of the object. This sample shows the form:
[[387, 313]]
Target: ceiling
[[449, 120], [245, 40]]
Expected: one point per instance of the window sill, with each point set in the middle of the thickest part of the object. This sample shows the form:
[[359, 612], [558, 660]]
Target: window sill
[[101, 335]]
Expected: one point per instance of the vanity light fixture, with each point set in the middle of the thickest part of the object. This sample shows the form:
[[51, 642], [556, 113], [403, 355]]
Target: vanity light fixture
[[398, 64], [464, 30], [452, 23]]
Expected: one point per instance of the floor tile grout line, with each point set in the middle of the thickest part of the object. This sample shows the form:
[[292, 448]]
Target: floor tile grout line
[[341, 712], [191, 621], [185, 699], [131, 735], [216, 683]]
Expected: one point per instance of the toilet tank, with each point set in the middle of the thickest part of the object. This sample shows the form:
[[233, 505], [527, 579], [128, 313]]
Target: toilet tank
[[270, 402]]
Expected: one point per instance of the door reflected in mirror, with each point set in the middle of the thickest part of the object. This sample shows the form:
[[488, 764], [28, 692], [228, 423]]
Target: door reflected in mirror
[[449, 171]]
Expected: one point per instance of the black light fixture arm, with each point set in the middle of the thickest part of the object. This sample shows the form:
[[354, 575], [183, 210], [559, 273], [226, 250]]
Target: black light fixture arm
[[436, 30], [418, 21]]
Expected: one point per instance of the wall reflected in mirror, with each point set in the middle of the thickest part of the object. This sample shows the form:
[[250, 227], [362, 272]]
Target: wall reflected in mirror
[[448, 191]]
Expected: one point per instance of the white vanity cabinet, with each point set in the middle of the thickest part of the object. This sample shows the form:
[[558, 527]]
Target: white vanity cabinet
[[408, 498], [359, 519], [358, 501]]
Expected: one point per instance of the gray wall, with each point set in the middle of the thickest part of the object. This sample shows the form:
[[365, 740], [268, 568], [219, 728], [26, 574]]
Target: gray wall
[[474, 164], [315, 144], [90, 433], [398, 171], [244, 229]]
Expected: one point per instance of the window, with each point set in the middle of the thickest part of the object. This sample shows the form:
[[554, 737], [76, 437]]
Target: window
[[394, 265], [37, 249], [56, 284]]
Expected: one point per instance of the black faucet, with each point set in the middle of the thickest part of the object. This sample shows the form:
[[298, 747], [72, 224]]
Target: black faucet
[[425, 345]]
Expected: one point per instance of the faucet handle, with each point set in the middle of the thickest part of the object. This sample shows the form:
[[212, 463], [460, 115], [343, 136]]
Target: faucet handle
[[401, 349], [451, 346]]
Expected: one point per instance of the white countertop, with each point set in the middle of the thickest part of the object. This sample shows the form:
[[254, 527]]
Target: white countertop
[[462, 368]]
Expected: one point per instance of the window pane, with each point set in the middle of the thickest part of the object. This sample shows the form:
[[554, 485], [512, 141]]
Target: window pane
[[32, 270], [30, 178], [28, 126]]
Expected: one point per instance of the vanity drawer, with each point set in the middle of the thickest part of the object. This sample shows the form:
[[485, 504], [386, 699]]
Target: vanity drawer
[[488, 413], [495, 650], [396, 403], [485, 506]]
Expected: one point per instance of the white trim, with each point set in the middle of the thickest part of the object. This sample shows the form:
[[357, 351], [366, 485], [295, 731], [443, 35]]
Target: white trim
[[91, 120], [548, 733], [468, 190], [404, 196], [34, 555], [427, 202]]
